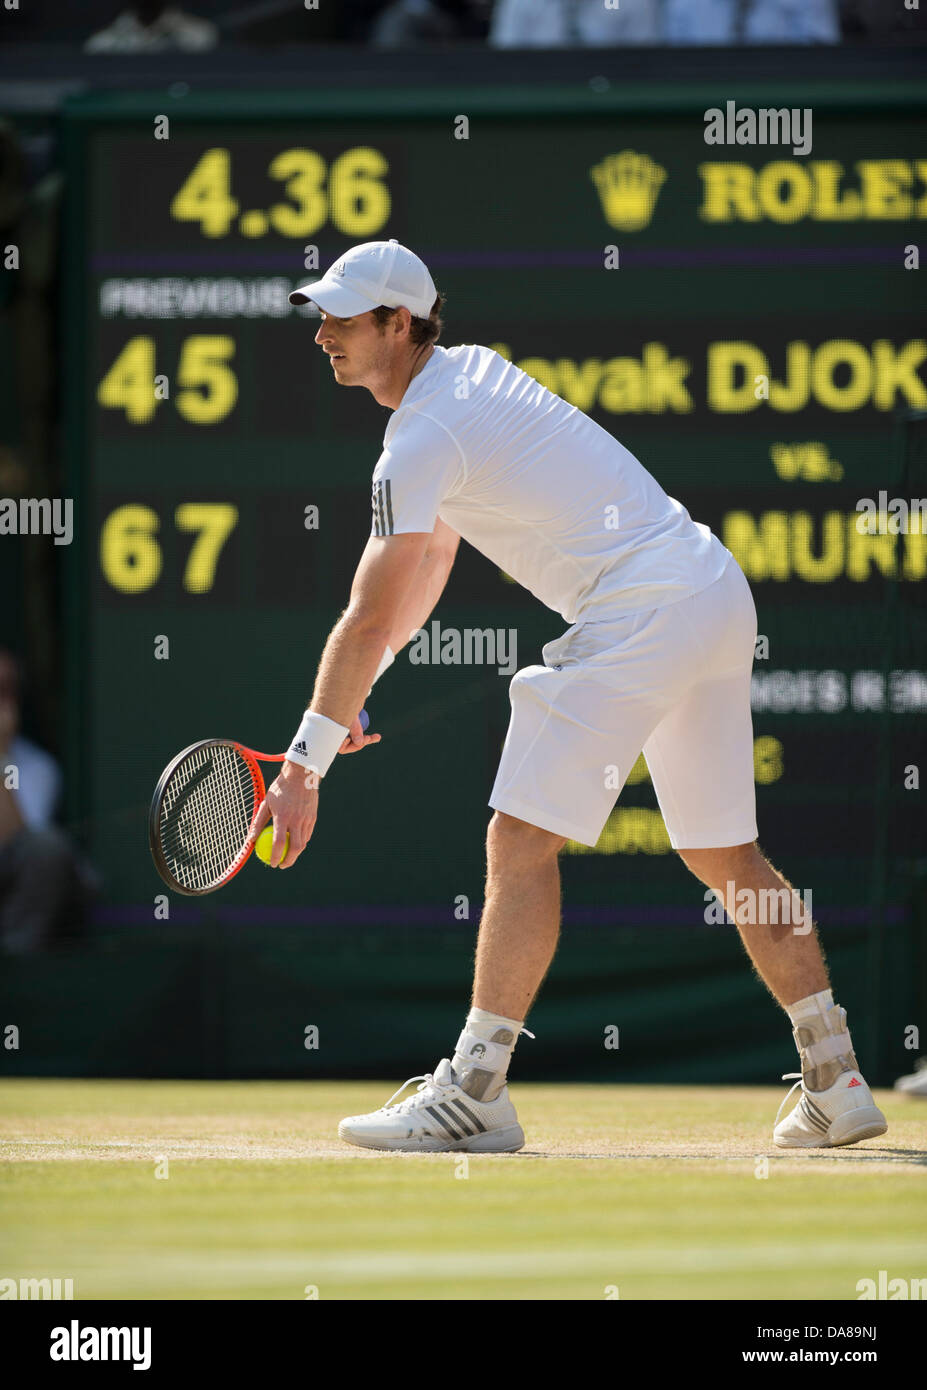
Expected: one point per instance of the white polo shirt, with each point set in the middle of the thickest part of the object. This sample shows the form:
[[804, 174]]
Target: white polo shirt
[[540, 489]]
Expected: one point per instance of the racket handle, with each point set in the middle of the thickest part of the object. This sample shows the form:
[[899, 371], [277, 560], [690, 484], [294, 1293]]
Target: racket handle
[[364, 718]]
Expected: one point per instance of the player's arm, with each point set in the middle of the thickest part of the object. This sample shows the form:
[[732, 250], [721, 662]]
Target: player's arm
[[393, 593], [427, 585], [389, 568]]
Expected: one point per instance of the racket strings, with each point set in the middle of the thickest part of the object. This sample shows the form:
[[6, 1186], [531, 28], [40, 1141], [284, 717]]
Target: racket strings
[[206, 813]]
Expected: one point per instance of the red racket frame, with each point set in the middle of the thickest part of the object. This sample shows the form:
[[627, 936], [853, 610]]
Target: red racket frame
[[250, 757]]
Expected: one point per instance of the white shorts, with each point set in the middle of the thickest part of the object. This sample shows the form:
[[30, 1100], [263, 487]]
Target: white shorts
[[673, 683]]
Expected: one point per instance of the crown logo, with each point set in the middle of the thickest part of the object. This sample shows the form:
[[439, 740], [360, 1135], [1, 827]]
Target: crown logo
[[628, 185]]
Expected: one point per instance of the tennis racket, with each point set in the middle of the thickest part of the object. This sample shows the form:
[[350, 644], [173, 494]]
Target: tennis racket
[[202, 811]]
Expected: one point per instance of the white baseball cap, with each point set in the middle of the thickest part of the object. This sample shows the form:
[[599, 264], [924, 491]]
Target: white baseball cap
[[374, 273]]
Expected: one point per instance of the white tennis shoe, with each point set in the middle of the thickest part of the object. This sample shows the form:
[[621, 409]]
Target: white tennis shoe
[[438, 1118], [916, 1083], [843, 1114]]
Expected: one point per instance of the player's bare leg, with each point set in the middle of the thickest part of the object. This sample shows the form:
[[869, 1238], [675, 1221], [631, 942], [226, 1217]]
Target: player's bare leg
[[464, 1103], [836, 1105], [521, 916], [518, 936], [789, 961]]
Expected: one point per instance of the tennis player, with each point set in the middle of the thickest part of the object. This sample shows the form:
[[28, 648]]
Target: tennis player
[[657, 658]]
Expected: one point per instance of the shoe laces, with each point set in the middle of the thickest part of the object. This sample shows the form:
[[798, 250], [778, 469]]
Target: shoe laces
[[430, 1089], [788, 1076]]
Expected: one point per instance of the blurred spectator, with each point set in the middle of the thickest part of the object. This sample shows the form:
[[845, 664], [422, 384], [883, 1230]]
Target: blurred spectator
[[151, 26], [581, 23], [574, 23], [407, 23], [750, 21], [45, 889]]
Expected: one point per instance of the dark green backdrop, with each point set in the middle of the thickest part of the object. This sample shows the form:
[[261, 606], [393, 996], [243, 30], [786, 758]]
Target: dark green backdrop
[[361, 939]]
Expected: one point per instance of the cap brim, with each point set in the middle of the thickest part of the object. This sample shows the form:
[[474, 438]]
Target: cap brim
[[333, 298]]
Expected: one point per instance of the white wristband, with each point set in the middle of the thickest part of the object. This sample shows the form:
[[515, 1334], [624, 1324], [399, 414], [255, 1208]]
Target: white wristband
[[316, 742]]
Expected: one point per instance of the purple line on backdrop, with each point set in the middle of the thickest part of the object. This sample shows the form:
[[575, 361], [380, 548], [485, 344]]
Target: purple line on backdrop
[[439, 918], [253, 263], [669, 255]]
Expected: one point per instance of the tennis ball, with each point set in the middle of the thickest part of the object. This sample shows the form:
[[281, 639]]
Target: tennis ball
[[264, 844]]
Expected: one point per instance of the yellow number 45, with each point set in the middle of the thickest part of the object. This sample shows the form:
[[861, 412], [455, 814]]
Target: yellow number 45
[[209, 387]]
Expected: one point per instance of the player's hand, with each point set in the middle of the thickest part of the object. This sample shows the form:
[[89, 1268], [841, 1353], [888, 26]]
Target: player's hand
[[292, 802], [357, 739]]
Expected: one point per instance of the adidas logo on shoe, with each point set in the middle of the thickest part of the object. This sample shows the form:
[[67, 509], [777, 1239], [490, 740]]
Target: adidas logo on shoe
[[438, 1117], [826, 1119]]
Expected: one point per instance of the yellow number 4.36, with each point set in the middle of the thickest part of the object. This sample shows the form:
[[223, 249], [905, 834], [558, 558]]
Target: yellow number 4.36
[[206, 197], [351, 194]]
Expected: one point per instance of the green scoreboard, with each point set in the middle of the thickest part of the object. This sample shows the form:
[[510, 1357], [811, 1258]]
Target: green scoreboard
[[747, 318]]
